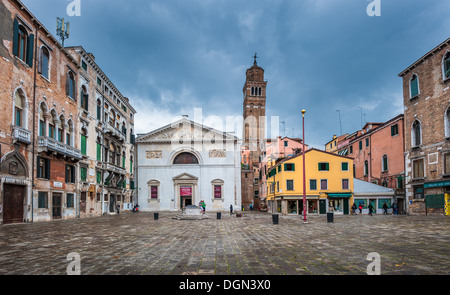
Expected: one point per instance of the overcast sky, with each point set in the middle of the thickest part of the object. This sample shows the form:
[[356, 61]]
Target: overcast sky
[[172, 56]]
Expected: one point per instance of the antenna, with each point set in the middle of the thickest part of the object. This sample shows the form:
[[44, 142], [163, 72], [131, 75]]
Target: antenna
[[62, 29], [361, 117], [284, 128], [340, 122]]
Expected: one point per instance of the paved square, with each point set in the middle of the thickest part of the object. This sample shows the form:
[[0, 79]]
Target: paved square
[[135, 243]]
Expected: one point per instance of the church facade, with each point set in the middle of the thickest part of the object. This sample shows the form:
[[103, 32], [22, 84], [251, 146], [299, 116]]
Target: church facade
[[184, 163]]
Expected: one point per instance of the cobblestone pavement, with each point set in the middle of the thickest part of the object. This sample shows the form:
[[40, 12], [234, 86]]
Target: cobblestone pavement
[[135, 243]]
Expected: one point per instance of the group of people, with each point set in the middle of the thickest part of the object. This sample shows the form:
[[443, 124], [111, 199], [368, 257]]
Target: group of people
[[202, 206], [371, 208]]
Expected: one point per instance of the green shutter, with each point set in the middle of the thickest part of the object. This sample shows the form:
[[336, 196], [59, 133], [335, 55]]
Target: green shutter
[[30, 48], [83, 145], [327, 166], [414, 87], [99, 177], [16, 38], [123, 162], [99, 152], [131, 166], [293, 167]]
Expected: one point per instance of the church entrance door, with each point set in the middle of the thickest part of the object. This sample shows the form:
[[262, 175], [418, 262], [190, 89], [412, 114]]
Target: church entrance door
[[186, 196]]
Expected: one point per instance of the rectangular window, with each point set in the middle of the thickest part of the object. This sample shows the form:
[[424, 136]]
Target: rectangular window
[[447, 164], [217, 191], [351, 149], [99, 152], [345, 184], [290, 185], [83, 174], [42, 200], [99, 177], [313, 184], [367, 142], [289, 167], [99, 81], [344, 166], [323, 184], [18, 117], [41, 128], [360, 145], [414, 87], [394, 130], [418, 192], [418, 169], [51, 131], [70, 174], [70, 201], [154, 189], [286, 143], [84, 65], [324, 167]]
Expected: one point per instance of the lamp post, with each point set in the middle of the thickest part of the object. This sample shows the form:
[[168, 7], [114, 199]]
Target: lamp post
[[304, 171]]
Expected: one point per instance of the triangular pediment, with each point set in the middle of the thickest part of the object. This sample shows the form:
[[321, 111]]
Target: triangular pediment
[[185, 176], [184, 130]]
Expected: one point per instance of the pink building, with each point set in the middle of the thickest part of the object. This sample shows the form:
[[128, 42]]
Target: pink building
[[274, 151]]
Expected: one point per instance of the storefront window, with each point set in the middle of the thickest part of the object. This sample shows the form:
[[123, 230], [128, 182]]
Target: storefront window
[[336, 205], [363, 202], [312, 206], [292, 207]]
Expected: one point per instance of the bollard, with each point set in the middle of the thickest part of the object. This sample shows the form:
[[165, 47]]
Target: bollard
[[275, 218], [156, 215], [219, 215], [330, 217]]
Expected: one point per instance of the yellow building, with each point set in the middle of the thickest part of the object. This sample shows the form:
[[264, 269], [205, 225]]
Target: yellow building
[[329, 184]]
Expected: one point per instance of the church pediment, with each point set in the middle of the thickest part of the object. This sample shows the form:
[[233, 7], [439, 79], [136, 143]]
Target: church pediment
[[185, 176], [184, 130]]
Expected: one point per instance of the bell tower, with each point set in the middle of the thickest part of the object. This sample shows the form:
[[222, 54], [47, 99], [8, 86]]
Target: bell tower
[[254, 112]]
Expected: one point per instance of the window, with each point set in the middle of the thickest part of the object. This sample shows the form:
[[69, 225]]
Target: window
[[447, 164], [360, 145], [418, 168], [367, 142], [99, 110], [70, 85], [414, 86], [51, 130], [84, 65], [185, 159], [366, 168], [418, 192], [43, 168], [345, 184], [394, 130], [217, 191], [19, 110], [99, 81], [99, 177], [83, 144], [70, 201], [416, 134], [323, 184], [290, 185], [23, 44], [83, 174], [44, 62], [385, 163], [446, 66], [313, 184], [154, 191], [42, 200], [70, 174], [351, 149], [324, 167], [289, 167], [84, 99], [286, 143], [344, 166]]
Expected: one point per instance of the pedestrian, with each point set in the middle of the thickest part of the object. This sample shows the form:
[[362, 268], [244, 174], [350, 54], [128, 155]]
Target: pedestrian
[[118, 208], [370, 209], [204, 207], [231, 209], [360, 208], [354, 209], [385, 207], [395, 206]]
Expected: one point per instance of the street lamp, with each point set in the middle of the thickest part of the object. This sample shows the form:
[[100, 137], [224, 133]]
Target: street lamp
[[304, 171]]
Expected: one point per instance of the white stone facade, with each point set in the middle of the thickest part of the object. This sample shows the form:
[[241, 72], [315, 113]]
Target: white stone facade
[[184, 163]]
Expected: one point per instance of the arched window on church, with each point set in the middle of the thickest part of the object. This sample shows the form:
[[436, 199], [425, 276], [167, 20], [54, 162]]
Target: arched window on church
[[185, 159]]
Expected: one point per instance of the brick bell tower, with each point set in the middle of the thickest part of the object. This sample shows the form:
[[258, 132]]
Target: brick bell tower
[[254, 111]]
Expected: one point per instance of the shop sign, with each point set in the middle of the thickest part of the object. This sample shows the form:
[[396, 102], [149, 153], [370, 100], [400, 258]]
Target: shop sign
[[436, 184]]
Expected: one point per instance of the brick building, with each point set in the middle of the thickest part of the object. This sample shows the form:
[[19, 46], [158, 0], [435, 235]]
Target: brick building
[[39, 123], [254, 110], [426, 95], [377, 150], [106, 124]]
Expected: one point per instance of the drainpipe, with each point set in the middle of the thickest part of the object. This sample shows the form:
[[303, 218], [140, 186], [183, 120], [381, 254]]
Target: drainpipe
[[34, 123]]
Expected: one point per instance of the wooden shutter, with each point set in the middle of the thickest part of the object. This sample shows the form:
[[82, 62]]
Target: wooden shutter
[[38, 174], [414, 87], [16, 38], [47, 168], [83, 145], [30, 49]]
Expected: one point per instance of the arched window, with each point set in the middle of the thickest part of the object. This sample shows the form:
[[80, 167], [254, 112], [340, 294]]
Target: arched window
[[447, 123], [446, 65], [185, 159], [42, 120], [385, 163], [19, 109], [23, 39], [84, 99], [414, 86], [69, 134], [366, 168], [44, 62], [416, 137], [99, 109], [70, 85], [260, 91]]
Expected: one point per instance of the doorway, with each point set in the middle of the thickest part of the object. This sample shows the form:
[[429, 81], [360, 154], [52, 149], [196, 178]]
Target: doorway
[[186, 196], [13, 198], [112, 203], [323, 207], [56, 205]]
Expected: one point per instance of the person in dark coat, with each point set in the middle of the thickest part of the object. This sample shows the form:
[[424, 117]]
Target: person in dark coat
[[231, 209], [370, 209], [385, 207]]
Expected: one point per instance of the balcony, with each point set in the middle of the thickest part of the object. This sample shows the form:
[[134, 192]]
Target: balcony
[[114, 131], [21, 135], [50, 144], [114, 168]]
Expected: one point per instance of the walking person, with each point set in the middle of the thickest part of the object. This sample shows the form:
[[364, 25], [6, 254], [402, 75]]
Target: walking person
[[354, 209], [204, 207], [370, 209], [231, 209], [395, 206], [385, 207], [360, 208], [118, 208]]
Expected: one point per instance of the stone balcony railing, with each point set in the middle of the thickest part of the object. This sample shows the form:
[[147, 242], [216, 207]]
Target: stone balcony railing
[[21, 135], [114, 131], [47, 143], [114, 168]]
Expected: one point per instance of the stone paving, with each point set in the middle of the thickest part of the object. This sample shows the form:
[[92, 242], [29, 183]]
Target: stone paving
[[135, 244]]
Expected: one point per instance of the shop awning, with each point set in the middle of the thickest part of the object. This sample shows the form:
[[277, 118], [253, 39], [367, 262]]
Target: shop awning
[[340, 196]]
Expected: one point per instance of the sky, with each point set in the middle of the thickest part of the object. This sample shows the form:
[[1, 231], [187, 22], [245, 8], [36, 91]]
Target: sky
[[186, 57]]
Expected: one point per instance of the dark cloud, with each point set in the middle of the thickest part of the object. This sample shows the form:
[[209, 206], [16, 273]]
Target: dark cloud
[[172, 56]]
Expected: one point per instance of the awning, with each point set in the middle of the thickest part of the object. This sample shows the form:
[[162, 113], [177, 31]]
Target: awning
[[340, 196]]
